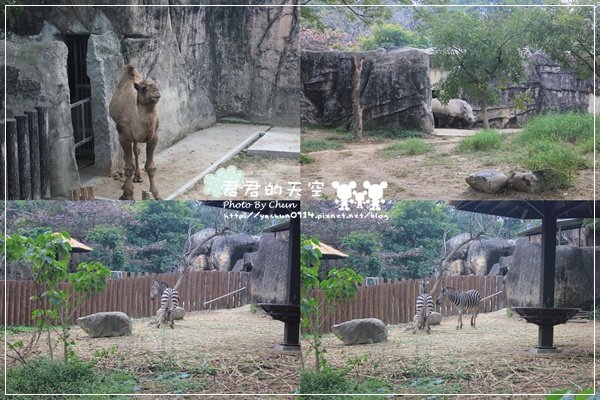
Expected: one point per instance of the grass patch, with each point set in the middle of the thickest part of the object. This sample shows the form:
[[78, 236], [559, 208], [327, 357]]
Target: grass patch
[[409, 147], [320, 144], [488, 139], [43, 375], [571, 128], [333, 380], [304, 159], [557, 161]]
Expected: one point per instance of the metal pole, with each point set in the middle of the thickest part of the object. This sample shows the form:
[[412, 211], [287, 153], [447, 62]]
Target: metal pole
[[548, 278], [291, 332]]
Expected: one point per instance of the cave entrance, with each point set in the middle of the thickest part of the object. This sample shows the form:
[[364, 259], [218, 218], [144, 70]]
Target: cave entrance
[[81, 100]]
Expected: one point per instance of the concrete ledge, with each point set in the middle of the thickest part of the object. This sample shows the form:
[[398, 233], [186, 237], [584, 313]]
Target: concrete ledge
[[276, 145]]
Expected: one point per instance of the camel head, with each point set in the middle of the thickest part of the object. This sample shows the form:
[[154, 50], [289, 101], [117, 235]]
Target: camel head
[[148, 92]]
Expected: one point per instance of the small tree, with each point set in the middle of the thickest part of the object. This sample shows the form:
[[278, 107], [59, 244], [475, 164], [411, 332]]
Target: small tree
[[48, 256], [340, 285], [480, 48], [391, 35]]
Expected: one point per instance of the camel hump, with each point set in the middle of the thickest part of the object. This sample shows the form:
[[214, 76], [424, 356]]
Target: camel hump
[[129, 70]]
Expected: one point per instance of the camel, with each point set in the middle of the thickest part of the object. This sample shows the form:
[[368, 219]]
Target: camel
[[133, 108]]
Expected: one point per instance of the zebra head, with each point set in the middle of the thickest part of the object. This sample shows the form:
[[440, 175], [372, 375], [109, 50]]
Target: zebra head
[[442, 296], [157, 288]]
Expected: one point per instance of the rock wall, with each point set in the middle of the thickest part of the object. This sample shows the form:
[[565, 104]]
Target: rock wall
[[210, 63], [550, 88], [574, 275], [395, 88], [270, 269]]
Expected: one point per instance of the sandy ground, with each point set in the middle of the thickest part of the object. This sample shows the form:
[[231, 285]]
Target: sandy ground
[[439, 176], [222, 351], [192, 156], [494, 358]]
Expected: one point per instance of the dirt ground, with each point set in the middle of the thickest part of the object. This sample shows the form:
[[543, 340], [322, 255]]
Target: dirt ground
[[494, 358], [220, 351], [439, 174]]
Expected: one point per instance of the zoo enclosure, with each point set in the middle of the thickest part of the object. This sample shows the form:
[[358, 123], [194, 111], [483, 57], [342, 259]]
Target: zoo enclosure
[[131, 295], [394, 302]]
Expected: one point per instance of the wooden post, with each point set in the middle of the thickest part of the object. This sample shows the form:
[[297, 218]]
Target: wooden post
[[34, 154], [12, 160], [42, 113], [357, 110], [24, 160]]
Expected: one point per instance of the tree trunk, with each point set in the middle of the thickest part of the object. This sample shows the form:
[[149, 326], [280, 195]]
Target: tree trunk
[[484, 116], [357, 125]]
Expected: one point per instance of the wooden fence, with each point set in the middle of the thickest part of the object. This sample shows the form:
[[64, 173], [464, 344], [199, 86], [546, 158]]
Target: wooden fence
[[131, 295], [394, 302], [27, 155]]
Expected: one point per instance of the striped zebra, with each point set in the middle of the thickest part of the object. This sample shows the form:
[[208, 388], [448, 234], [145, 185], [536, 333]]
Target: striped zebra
[[424, 308], [169, 300], [464, 301]]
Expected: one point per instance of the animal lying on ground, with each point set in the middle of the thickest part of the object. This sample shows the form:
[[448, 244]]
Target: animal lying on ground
[[457, 114]]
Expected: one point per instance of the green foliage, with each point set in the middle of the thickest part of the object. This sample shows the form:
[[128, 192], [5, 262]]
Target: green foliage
[[336, 381], [340, 285], [567, 394], [481, 49], [363, 255], [391, 35], [485, 140], [48, 256], [557, 162], [564, 33], [409, 147], [595, 313], [75, 376], [417, 224], [112, 250], [318, 145]]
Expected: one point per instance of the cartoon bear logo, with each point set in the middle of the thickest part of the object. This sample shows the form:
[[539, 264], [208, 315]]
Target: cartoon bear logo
[[375, 193], [344, 194]]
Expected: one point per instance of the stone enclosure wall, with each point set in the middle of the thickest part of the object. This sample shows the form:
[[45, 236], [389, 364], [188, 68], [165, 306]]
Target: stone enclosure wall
[[397, 86], [209, 62]]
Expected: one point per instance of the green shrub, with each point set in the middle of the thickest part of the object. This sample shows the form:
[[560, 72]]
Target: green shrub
[[391, 35], [557, 161], [331, 380], [304, 159], [409, 147], [484, 140], [75, 376], [320, 144], [568, 127]]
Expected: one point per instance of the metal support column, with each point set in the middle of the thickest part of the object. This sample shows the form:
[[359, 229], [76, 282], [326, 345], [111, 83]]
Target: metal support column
[[547, 279]]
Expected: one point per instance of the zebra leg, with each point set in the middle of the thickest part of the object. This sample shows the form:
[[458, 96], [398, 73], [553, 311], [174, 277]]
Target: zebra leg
[[416, 324], [460, 324], [474, 317], [427, 325], [159, 314], [171, 319]]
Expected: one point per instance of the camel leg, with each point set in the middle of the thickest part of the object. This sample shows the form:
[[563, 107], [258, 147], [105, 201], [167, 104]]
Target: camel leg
[[137, 176], [128, 185], [150, 167]]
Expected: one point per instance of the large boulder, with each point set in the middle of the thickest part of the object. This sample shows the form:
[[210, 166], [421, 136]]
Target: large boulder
[[395, 88], [527, 181], [574, 275], [454, 242], [361, 331], [483, 254], [179, 313], [106, 324], [270, 269], [226, 250], [487, 181], [435, 318]]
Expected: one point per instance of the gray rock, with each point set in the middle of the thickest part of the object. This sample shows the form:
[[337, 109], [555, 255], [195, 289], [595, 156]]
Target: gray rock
[[487, 181], [495, 270], [396, 90], [574, 276], [454, 242], [270, 272], [104, 62], [179, 313], [239, 266], [106, 324], [361, 331], [456, 114], [226, 250], [527, 181], [37, 76], [483, 254], [435, 318]]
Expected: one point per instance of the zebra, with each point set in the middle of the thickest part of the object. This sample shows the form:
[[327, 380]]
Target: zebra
[[424, 308], [169, 300], [464, 301]]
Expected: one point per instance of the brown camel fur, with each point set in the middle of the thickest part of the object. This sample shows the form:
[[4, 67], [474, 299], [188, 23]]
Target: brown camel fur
[[133, 108]]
